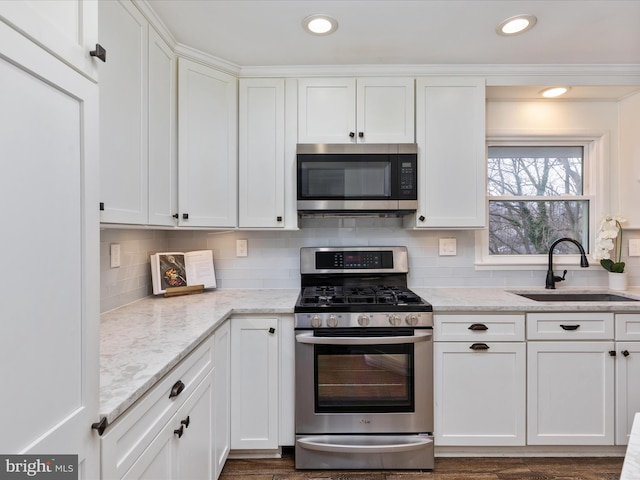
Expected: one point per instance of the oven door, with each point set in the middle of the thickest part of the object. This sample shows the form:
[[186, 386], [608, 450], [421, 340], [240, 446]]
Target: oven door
[[364, 380]]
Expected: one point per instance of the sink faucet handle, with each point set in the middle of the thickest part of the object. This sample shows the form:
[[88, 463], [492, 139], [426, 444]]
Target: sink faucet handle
[[560, 279]]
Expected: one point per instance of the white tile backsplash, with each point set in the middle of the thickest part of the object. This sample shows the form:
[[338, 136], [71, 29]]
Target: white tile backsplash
[[273, 260]]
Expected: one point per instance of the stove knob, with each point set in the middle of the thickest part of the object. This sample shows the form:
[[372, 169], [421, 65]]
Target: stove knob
[[316, 321], [411, 319], [332, 321], [395, 319], [363, 320]]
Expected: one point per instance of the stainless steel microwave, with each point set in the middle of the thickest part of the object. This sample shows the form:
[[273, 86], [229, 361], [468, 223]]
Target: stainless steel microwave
[[357, 178]]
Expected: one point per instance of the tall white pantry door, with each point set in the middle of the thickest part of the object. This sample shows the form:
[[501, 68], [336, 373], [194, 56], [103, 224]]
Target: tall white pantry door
[[49, 250]]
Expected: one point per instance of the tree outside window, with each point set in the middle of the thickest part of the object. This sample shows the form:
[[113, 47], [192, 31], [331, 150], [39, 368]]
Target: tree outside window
[[536, 196]]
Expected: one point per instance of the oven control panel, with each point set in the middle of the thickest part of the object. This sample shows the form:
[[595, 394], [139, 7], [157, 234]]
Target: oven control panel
[[369, 319]]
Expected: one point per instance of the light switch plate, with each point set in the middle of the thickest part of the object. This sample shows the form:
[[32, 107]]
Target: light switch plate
[[242, 247], [115, 255], [634, 247], [448, 246]]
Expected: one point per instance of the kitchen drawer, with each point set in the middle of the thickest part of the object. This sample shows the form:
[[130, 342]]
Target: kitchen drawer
[[471, 327], [628, 326], [125, 440], [570, 326]]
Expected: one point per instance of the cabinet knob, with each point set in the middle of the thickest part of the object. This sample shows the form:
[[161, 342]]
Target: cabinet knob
[[612, 353], [352, 134], [185, 216], [175, 215], [99, 52], [625, 353], [361, 134], [186, 422], [421, 218], [272, 330], [177, 389], [100, 426], [179, 431], [278, 219], [101, 206]]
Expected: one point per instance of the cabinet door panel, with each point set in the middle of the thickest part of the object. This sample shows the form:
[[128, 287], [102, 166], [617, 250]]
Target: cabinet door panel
[[222, 400], [627, 388], [571, 393], [123, 114], [254, 390], [450, 132], [207, 126], [163, 161], [479, 395], [48, 347], [385, 110], [326, 110], [67, 29], [261, 153]]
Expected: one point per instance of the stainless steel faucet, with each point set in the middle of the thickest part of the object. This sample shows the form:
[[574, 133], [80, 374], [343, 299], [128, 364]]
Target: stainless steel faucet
[[551, 278]]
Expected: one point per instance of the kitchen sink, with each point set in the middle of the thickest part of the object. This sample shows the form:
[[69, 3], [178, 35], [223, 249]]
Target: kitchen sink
[[577, 297]]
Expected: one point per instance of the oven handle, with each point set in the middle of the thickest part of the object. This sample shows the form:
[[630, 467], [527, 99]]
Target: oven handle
[[324, 446], [310, 339]]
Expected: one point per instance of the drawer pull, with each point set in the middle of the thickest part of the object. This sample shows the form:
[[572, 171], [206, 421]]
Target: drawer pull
[[177, 389], [570, 327], [179, 431], [478, 327], [479, 346], [102, 424], [186, 422]]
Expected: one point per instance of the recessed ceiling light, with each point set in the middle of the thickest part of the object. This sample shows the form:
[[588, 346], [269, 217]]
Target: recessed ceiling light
[[320, 24], [554, 91], [517, 24]]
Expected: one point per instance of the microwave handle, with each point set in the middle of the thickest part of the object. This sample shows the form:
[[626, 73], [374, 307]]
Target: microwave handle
[[308, 338]]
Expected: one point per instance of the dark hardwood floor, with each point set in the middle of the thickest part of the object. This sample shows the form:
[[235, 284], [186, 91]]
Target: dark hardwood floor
[[527, 468]]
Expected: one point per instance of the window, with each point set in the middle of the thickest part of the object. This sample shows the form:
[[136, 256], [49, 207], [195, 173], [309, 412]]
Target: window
[[537, 193]]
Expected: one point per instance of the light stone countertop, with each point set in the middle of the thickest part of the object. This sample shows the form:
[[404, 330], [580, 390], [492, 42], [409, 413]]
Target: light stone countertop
[[505, 299], [143, 341]]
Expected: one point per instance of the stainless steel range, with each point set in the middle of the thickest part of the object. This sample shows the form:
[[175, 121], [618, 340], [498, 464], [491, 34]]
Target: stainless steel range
[[364, 362]]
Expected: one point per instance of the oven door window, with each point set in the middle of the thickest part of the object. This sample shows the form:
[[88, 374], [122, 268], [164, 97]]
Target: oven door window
[[364, 378]]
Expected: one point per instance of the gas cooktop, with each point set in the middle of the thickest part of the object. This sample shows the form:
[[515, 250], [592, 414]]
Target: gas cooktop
[[347, 298]]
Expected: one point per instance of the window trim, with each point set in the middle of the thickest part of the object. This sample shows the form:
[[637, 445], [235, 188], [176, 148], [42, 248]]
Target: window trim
[[595, 191]]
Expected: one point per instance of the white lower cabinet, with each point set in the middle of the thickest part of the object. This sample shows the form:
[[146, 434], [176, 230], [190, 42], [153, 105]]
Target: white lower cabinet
[[627, 373], [570, 379], [479, 380], [180, 428], [262, 384], [254, 383]]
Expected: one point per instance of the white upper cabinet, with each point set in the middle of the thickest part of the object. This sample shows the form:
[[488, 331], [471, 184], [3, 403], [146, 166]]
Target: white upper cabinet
[[261, 153], [207, 147], [124, 114], [163, 151], [450, 132], [66, 29], [349, 110]]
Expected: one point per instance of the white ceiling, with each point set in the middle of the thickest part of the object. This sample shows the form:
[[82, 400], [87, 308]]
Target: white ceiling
[[259, 33], [269, 32]]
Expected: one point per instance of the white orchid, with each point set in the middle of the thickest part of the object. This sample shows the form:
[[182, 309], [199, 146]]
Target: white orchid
[[607, 240]]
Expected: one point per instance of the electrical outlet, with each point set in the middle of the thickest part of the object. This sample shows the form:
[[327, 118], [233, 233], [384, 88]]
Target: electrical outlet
[[242, 247], [447, 246], [634, 247], [115, 255]]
